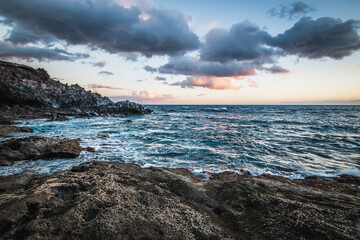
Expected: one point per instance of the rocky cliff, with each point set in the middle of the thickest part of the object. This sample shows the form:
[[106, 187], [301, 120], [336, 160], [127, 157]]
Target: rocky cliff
[[28, 92]]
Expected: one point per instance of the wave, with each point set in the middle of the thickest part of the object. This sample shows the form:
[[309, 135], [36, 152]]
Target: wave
[[216, 109]]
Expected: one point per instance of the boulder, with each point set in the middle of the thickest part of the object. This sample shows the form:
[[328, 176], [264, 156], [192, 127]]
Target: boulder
[[39, 148]]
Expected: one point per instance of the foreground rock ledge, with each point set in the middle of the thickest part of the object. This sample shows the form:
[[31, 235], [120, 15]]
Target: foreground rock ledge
[[123, 201]]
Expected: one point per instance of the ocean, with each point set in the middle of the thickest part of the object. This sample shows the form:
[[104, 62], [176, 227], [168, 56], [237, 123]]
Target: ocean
[[291, 141]]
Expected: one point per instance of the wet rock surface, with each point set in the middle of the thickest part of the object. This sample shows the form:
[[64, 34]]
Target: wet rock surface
[[31, 93], [123, 201], [6, 130], [38, 148]]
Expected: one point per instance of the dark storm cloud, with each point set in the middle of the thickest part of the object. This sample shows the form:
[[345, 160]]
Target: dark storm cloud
[[244, 41], [106, 73], [291, 11], [192, 66], [324, 37], [8, 50], [99, 24], [150, 69], [245, 48], [20, 35]]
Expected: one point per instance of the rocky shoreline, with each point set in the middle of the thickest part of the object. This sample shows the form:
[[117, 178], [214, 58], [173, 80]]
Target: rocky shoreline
[[102, 200], [31, 93], [99, 200]]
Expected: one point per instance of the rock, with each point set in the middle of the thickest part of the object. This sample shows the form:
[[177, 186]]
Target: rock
[[129, 121], [5, 121], [39, 147], [90, 149], [100, 200], [5, 130], [15, 181], [31, 93], [4, 162], [57, 118]]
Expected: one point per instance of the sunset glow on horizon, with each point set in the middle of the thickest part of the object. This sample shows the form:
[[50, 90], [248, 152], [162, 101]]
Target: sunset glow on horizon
[[192, 52]]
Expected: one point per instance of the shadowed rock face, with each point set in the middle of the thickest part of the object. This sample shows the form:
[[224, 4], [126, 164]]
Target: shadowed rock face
[[38, 147], [28, 92], [123, 201]]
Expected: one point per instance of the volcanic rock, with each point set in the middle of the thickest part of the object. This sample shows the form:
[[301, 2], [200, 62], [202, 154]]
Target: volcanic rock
[[39, 147], [5, 130], [101, 200], [31, 93]]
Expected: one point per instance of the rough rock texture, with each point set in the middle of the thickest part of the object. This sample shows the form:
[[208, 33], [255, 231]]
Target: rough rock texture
[[122, 201], [6, 130], [27, 93], [39, 147]]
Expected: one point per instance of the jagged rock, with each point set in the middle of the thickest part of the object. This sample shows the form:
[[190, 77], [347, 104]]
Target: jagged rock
[[101, 200], [27, 92], [39, 147]]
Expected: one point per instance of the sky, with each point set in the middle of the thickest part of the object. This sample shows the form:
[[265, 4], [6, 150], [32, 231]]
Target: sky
[[192, 51]]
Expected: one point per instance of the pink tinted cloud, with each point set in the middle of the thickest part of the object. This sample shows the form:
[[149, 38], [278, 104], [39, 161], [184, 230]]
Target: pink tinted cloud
[[151, 96], [211, 82], [96, 86], [355, 65], [252, 83], [144, 96]]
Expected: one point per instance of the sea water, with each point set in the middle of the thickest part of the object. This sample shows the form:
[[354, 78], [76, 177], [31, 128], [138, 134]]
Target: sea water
[[292, 141]]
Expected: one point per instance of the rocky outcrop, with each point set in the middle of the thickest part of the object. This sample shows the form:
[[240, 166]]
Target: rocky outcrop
[[6, 130], [28, 92], [38, 148], [123, 201]]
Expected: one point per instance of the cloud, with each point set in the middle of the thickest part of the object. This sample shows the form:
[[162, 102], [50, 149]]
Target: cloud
[[145, 96], [211, 82], [252, 83], [193, 66], [8, 51], [106, 73], [324, 37], [244, 41], [160, 78], [130, 56], [291, 11], [347, 66], [245, 49], [201, 95], [276, 69], [95, 86], [100, 24], [100, 64], [21, 35], [150, 69]]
